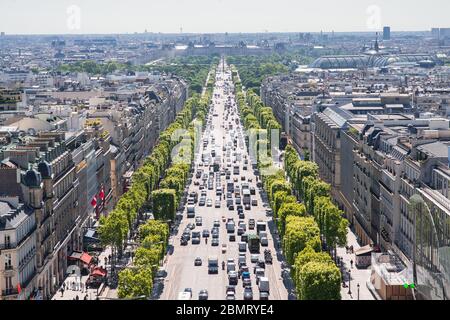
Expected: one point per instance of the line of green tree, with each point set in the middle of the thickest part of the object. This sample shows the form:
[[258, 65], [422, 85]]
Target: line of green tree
[[304, 227], [149, 188]]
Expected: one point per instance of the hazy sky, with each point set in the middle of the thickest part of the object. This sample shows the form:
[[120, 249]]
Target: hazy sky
[[128, 16]]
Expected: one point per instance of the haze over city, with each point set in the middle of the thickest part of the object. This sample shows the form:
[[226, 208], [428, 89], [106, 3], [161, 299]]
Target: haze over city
[[218, 16]]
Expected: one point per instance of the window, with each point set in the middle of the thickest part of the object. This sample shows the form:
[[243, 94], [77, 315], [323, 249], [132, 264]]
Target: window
[[8, 261], [8, 283]]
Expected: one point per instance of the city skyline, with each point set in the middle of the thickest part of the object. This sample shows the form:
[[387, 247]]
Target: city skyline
[[218, 16]]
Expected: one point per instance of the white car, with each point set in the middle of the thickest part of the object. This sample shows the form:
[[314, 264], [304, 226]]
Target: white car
[[224, 247], [209, 203]]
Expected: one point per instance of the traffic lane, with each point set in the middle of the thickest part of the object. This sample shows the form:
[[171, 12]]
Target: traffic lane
[[232, 249]]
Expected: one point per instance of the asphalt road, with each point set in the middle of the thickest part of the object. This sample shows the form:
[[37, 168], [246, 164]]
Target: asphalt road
[[179, 266]]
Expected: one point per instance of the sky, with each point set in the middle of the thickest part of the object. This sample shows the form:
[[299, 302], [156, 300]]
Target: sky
[[217, 16]]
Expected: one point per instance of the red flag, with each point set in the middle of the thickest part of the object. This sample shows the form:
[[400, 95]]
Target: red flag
[[102, 194], [94, 202], [19, 289]]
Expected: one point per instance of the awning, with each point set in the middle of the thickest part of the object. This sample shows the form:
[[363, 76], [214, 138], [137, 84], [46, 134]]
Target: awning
[[98, 272], [86, 258], [364, 250], [82, 256]]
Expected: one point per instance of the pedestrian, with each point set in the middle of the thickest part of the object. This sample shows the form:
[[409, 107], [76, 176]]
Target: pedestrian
[[62, 292], [351, 263], [64, 285], [85, 297], [82, 286], [106, 261], [77, 298], [346, 249]]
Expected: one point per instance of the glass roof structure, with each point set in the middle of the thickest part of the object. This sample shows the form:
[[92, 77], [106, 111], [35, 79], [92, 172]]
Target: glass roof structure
[[366, 61]]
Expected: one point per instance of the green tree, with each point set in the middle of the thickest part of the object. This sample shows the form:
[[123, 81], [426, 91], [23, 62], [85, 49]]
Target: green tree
[[318, 281], [300, 232], [135, 283]]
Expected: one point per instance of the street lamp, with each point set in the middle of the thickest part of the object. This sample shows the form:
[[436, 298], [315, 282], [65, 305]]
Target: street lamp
[[349, 282], [358, 290]]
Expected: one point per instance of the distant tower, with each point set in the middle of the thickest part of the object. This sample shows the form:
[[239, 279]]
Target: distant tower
[[387, 33], [181, 29], [377, 47]]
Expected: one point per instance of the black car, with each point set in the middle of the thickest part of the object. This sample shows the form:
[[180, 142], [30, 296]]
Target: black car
[[203, 295], [198, 261], [248, 293], [183, 241], [205, 233], [195, 240], [186, 235], [232, 237], [191, 226]]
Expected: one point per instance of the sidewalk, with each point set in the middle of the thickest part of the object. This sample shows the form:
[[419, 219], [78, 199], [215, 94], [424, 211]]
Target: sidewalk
[[76, 286], [358, 276]]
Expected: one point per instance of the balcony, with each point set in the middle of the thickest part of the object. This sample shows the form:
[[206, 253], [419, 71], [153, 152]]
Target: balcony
[[10, 292], [8, 245]]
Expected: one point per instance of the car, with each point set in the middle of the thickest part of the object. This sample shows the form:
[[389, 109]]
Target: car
[[254, 258], [195, 240], [233, 278], [248, 293], [186, 235], [243, 268], [240, 231], [259, 272], [264, 241], [232, 238], [190, 211], [203, 295], [198, 261], [215, 242], [251, 224], [183, 241], [198, 221], [241, 215], [216, 223], [209, 202], [231, 207], [254, 202], [217, 204], [246, 282], [188, 290], [190, 226], [190, 201], [263, 295], [205, 233], [247, 206], [224, 247], [230, 296]]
